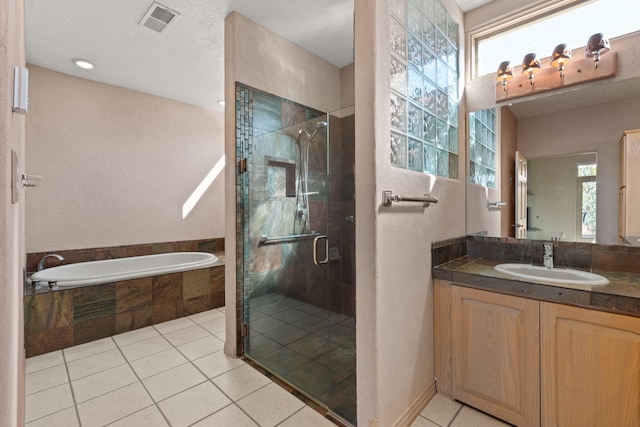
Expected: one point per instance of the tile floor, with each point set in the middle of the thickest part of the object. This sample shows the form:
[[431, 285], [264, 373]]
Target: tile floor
[[170, 374], [306, 345], [176, 374], [443, 412]]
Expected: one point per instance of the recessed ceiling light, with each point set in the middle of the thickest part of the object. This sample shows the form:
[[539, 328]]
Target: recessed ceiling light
[[221, 102], [83, 63]]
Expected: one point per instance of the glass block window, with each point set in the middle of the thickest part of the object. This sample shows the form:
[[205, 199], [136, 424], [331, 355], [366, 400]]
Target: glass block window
[[482, 147], [424, 87]]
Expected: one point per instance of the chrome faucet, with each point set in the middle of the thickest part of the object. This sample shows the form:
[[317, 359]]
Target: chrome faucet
[[548, 255], [44, 259]]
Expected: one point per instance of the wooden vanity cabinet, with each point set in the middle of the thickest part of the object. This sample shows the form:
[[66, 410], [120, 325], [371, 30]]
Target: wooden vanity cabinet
[[493, 351], [535, 363], [590, 367]]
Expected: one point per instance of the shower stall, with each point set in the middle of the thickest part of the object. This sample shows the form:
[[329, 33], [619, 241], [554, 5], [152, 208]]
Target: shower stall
[[296, 211]]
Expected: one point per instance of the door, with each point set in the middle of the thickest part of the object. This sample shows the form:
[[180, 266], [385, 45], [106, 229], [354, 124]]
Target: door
[[590, 367], [521, 196], [495, 352], [299, 315]]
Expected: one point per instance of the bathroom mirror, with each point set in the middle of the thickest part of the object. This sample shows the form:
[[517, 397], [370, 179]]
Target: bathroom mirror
[[557, 176]]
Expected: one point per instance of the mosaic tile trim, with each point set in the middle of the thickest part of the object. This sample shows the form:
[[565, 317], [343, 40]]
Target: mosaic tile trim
[[482, 147], [424, 87]]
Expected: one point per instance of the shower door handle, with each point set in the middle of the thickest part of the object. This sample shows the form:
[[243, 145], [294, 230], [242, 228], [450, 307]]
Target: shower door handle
[[315, 250]]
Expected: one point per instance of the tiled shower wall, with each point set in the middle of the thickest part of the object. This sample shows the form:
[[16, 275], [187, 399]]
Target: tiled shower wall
[[266, 130], [67, 317]]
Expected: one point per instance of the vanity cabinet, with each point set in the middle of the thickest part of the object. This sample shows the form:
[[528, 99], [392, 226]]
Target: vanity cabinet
[[488, 351], [629, 204], [590, 367], [534, 363]]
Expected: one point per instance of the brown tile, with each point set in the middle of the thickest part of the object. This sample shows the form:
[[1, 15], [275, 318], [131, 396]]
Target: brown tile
[[134, 319], [133, 294], [217, 299], [197, 304], [163, 312], [94, 302], [48, 310], [188, 246], [44, 341], [217, 278], [167, 288], [348, 295], [267, 258], [196, 283], [94, 329], [162, 248], [615, 259]]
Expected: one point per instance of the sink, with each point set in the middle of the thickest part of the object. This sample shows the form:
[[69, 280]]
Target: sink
[[551, 275]]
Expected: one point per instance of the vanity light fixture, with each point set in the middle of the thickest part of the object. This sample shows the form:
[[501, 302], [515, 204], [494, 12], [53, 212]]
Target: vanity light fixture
[[505, 73], [530, 65], [596, 46], [82, 63], [560, 57], [573, 71]]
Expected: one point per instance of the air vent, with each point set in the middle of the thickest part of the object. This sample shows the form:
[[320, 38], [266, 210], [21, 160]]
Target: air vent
[[159, 17]]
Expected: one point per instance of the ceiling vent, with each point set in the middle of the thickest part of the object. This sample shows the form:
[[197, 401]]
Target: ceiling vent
[[159, 17]]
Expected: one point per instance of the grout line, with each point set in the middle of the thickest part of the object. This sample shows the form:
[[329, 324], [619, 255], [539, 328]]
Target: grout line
[[462, 405]]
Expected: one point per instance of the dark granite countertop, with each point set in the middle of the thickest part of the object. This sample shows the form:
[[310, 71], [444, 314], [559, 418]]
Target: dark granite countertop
[[621, 295]]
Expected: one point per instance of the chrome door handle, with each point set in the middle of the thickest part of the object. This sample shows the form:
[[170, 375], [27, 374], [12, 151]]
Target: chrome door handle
[[315, 250]]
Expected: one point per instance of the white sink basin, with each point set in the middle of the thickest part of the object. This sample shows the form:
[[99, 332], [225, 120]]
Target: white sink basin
[[551, 275]]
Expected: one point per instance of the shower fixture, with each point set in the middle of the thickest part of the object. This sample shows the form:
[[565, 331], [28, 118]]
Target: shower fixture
[[303, 139]]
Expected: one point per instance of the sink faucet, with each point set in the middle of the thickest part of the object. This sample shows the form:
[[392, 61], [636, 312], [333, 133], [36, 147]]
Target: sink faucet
[[548, 255], [44, 259]]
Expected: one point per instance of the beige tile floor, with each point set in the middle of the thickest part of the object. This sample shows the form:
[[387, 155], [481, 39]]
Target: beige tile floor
[[176, 374], [171, 374], [442, 412]]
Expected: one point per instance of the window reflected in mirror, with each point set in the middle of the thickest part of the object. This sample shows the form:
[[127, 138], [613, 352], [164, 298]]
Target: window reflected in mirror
[[482, 147]]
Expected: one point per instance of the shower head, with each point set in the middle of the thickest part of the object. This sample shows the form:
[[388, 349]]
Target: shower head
[[310, 136]]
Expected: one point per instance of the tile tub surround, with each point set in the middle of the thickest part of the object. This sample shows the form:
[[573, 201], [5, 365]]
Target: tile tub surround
[[619, 264], [66, 317]]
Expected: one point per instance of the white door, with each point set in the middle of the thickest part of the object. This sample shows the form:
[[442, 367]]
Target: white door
[[521, 196]]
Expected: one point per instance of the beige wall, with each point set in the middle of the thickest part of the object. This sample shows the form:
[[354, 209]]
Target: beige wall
[[12, 136], [118, 165], [394, 300]]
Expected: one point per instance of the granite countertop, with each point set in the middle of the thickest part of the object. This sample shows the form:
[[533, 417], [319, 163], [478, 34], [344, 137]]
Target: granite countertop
[[621, 295]]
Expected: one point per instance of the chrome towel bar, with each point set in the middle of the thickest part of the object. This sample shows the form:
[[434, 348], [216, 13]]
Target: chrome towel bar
[[266, 240], [495, 204], [388, 198]]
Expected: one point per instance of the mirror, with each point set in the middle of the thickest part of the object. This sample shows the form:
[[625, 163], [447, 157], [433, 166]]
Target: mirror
[[544, 134], [123, 147]]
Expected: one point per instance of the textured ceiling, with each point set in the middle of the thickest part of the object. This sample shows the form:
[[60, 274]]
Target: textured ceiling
[[184, 63]]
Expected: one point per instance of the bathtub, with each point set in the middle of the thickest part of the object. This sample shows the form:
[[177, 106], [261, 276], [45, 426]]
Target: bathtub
[[118, 269]]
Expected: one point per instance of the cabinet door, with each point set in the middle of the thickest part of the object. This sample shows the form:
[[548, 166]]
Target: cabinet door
[[496, 354], [590, 368]]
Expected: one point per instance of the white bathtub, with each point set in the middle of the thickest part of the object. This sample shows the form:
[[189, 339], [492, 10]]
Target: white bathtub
[[115, 270]]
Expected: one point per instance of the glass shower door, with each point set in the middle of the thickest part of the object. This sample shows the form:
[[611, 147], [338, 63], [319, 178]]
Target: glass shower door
[[295, 326]]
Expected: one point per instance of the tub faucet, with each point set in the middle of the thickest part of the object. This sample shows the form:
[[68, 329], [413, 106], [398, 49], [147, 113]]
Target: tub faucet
[[548, 255], [44, 259]]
